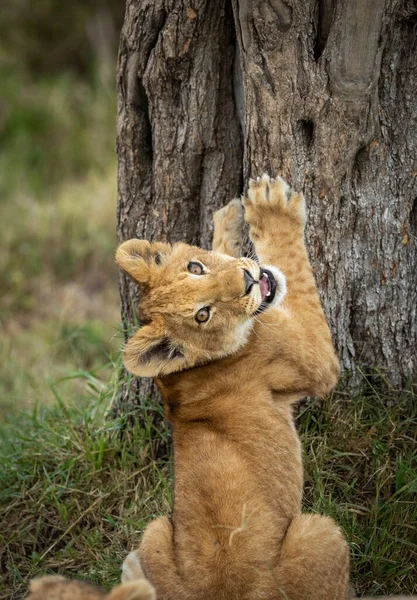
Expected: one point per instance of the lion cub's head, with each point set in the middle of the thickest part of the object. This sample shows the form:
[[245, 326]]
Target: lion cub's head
[[55, 587], [196, 306]]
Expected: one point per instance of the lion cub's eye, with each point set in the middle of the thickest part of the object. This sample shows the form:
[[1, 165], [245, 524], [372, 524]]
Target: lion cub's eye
[[195, 268], [203, 315]]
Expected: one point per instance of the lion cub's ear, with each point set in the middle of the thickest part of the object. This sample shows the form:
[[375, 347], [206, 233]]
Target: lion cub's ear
[[138, 257], [55, 587], [40, 584], [150, 353], [140, 589]]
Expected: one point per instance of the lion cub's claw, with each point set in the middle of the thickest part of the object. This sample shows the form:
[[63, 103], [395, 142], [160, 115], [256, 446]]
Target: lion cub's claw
[[266, 193]]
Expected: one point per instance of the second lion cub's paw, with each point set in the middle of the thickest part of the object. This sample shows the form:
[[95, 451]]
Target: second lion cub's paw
[[270, 202]]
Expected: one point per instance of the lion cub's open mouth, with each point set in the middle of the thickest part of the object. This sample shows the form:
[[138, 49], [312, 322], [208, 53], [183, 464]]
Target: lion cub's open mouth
[[268, 287]]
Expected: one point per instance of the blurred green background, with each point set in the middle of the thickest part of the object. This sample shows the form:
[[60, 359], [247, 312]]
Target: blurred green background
[[59, 307]]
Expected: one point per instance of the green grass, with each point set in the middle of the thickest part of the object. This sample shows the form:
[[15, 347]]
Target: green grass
[[77, 488], [361, 469], [65, 238], [33, 358]]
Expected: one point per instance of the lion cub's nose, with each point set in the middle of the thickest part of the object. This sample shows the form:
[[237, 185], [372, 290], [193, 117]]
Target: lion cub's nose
[[249, 281]]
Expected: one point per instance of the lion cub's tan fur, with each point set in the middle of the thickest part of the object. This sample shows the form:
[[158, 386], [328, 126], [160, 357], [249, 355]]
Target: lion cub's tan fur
[[237, 532]]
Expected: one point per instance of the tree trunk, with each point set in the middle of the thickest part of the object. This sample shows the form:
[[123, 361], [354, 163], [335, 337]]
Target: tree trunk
[[323, 93]]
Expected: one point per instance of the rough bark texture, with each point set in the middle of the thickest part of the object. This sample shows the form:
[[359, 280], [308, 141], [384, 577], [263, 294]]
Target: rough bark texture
[[322, 92]]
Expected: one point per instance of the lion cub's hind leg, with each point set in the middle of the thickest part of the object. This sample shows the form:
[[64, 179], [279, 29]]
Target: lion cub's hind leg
[[314, 560], [228, 229], [155, 560]]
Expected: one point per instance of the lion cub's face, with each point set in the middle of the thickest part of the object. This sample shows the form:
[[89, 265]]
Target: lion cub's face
[[195, 305]]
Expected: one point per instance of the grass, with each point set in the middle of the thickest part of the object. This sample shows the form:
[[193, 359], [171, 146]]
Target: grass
[[361, 469], [74, 492], [59, 315], [77, 488], [58, 207]]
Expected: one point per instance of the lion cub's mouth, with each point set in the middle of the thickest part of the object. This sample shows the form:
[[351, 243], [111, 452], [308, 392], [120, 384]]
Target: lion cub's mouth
[[268, 287]]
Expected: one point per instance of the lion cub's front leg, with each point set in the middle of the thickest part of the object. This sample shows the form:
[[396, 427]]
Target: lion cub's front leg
[[302, 355], [155, 559], [277, 218]]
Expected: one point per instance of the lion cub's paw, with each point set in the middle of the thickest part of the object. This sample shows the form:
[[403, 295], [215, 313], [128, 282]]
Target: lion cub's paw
[[271, 198], [131, 568], [228, 228]]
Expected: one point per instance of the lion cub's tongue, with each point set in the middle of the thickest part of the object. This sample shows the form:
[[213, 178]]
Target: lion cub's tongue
[[264, 286]]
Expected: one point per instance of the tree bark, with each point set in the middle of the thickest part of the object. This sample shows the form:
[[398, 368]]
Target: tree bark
[[323, 93]]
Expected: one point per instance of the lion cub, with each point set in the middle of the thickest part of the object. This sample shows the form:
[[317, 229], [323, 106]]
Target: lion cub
[[232, 343]]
